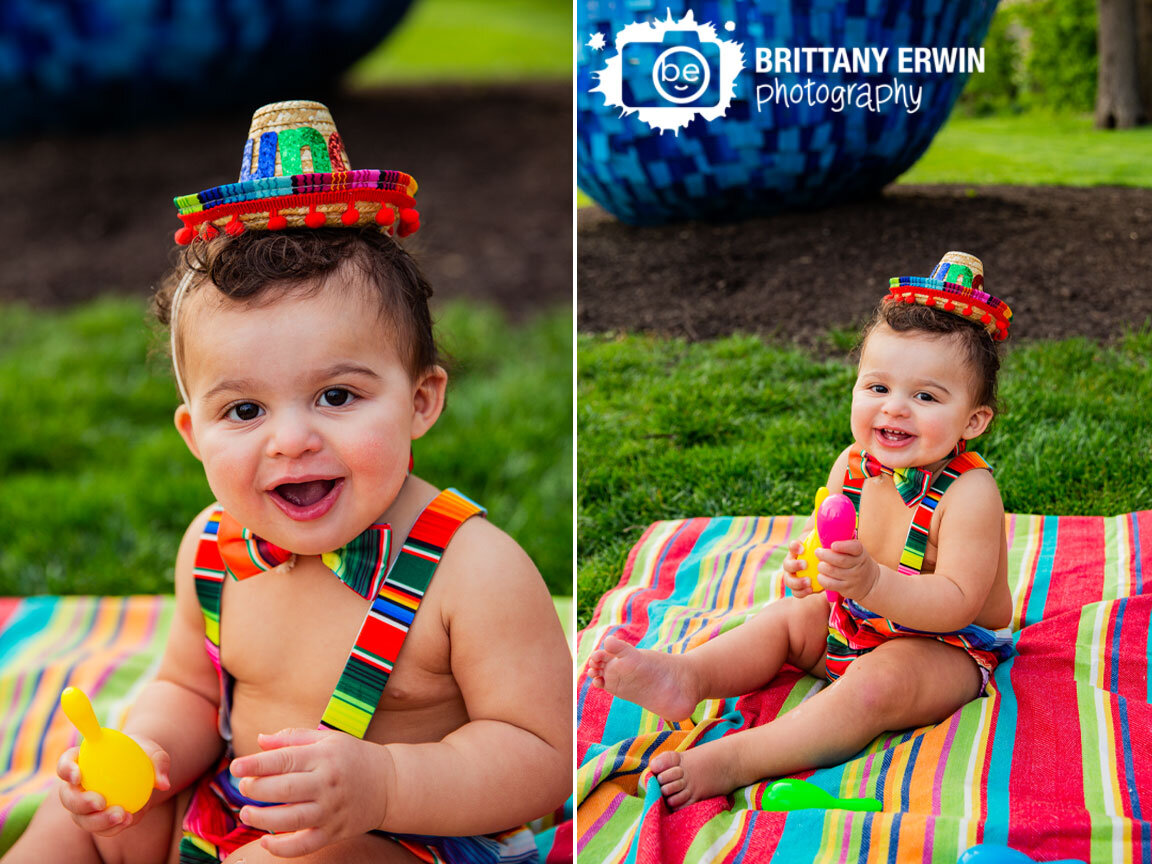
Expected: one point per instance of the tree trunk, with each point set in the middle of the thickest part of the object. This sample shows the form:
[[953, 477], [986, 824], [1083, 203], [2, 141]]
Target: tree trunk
[[1118, 78], [1144, 53]]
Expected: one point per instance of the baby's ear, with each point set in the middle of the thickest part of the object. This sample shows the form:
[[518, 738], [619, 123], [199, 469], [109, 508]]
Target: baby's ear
[[978, 421], [428, 400], [183, 420]]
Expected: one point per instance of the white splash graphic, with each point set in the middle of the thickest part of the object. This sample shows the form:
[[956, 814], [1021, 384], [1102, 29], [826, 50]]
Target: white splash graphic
[[670, 116], [596, 42]]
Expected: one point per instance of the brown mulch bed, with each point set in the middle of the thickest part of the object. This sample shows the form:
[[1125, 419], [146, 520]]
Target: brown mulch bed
[[92, 214], [1068, 261]]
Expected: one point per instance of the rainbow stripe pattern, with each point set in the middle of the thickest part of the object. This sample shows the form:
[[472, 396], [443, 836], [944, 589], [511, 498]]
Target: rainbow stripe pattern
[[354, 701], [109, 646], [1055, 762]]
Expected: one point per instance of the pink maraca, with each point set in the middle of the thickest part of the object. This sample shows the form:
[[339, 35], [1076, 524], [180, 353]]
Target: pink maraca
[[835, 520]]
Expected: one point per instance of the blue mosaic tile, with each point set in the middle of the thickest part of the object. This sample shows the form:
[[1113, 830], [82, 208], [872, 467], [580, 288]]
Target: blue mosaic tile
[[760, 161]]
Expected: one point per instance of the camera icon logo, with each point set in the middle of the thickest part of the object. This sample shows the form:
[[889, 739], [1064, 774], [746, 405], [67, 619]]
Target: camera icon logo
[[683, 71], [670, 72]]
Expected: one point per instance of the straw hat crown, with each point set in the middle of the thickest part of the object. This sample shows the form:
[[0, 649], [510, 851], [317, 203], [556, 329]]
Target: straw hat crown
[[295, 173], [955, 286]]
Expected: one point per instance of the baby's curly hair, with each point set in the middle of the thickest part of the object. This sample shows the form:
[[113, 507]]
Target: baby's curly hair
[[980, 351], [257, 267]]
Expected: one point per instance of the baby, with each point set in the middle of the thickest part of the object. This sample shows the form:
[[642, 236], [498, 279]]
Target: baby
[[923, 607], [360, 668]]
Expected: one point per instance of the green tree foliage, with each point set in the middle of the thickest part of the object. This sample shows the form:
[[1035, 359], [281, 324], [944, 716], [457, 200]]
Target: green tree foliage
[[1038, 54], [997, 89]]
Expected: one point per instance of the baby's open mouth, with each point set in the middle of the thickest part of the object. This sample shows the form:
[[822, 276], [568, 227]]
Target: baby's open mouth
[[893, 436], [304, 494]]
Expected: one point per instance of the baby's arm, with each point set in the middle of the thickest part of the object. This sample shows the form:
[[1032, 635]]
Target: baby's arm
[[513, 761], [174, 718], [510, 763], [179, 709], [970, 534]]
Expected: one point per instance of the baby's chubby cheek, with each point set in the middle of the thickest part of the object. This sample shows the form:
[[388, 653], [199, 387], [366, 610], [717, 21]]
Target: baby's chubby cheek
[[378, 459]]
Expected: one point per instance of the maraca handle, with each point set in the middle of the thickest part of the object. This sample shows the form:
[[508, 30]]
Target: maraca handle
[[78, 709]]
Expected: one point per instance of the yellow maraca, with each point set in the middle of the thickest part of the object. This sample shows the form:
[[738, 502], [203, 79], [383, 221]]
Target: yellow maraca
[[811, 544], [110, 762]]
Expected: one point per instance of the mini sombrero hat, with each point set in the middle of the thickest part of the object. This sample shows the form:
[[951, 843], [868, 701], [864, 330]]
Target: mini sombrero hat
[[295, 173], [955, 286]]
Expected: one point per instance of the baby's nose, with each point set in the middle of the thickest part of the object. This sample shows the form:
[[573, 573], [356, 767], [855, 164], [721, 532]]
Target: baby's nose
[[292, 435], [895, 405]]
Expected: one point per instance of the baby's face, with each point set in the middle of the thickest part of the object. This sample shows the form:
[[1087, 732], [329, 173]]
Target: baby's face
[[913, 398], [302, 412]]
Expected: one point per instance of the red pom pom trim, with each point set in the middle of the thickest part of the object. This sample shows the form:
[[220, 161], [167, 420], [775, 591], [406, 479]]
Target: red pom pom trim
[[315, 219], [276, 222], [234, 227], [350, 216], [210, 231], [184, 235], [994, 320], [385, 215]]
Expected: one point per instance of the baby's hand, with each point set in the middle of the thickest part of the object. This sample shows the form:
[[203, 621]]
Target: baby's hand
[[847, 567], [329, 785], [800, 585], [87, 808]]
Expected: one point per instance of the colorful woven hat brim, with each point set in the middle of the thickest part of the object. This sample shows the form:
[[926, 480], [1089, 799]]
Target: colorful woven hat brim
[[990, 312], [276, 189], [348, 198]]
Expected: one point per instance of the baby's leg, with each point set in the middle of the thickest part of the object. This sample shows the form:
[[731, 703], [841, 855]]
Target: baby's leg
[[53, 836], [367, 849], [734, 663], [906, 682]]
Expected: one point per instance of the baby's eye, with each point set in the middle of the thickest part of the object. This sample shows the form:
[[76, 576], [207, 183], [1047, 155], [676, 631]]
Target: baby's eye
[[244, 411], [334, 397], [878, 388], [925, 397]]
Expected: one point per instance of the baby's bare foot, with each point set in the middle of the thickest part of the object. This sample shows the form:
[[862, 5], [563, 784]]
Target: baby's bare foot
[[689, 776], [662, 683]]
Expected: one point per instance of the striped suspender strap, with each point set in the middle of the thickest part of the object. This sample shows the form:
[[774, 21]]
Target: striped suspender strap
[[912, 558], [358, 692], [208, 575]]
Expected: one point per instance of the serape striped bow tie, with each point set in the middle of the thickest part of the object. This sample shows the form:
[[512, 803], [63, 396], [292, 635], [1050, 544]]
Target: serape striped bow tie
[[361, 564], [911, 483]]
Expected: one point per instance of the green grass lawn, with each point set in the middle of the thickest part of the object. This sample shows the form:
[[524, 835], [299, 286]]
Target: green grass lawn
[[98, 487], [469, 40], [668, 429], [1035, 149]]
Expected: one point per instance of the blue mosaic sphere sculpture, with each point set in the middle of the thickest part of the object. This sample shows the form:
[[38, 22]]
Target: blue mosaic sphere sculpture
[[71, 64], [761, 159]]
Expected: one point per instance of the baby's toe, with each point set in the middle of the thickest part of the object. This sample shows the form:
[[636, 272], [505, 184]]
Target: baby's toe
[[665, 761], [671, 785], [678, 799]]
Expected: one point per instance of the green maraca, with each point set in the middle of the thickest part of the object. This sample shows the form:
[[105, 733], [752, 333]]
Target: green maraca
[[792, 794]]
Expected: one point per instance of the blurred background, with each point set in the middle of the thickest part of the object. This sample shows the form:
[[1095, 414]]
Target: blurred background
[[113, 108]]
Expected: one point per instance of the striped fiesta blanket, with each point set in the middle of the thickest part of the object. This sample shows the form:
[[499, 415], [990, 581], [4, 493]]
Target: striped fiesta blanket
[[109, 647], [1056, 762]]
